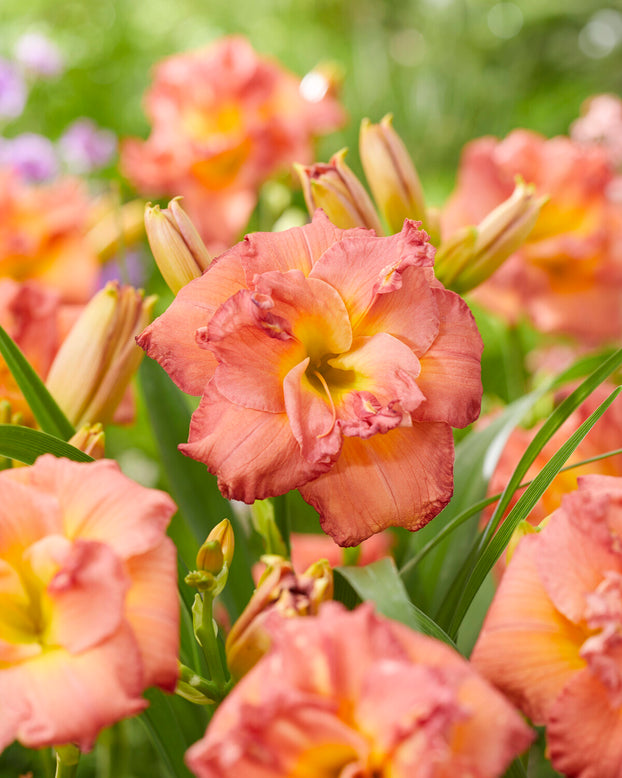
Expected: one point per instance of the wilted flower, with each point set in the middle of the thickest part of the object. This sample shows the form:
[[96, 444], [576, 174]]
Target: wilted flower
[[90, 614], [223, 121], [280, 592], [12, 91], [39, 55], [551, 640], [96, 361], [572, 260], [31, 156], [354, 694], [85, 147], [331, 361]]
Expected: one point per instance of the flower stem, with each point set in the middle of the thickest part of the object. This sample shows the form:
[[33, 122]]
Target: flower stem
[[67, 758], [209, 643]]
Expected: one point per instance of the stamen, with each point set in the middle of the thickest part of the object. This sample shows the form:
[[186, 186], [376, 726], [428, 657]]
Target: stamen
[[322, 380]]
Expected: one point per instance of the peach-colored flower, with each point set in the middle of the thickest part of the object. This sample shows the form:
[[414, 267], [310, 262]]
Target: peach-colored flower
[[223, 121], [357, 695], [307, 549], [88, 593], [571, 262], [331, 361], [552, 640], [32, 317], [604, 436], [600, 123], [44, 235]]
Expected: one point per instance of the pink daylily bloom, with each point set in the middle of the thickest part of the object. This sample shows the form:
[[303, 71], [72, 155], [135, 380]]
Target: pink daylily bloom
[[397, 704], [244, 119], [571, 262], [331, 361], [89, 616], [551, 640]]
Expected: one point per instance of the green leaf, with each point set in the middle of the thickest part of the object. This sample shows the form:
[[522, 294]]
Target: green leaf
[[164, 725], [194, 489], [43, 406], [381, 584], [26, 444], [520, 511]]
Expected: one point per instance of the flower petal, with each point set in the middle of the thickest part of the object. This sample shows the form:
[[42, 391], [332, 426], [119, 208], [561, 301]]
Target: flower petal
[[152, 609], [403, 478], [361, 267], [584, 732], [170, 339], [253, 453], [526, 647], [62, 698], [25, 516], [450, 368], [409, 313], [99, 503], [295, 249]]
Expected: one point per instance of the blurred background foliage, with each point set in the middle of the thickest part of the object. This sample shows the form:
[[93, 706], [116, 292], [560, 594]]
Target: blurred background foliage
[[449, 70]]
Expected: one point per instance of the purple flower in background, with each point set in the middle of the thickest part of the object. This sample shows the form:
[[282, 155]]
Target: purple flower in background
[[32, 156], [127, 268], [38, 55], [12, 91], [85, 147]]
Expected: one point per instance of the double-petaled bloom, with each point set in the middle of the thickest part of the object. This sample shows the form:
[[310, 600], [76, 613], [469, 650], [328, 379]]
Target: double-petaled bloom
[[552, 640], [223, 120], [359, 696], [89, 615], [331, 361], [571, 261]]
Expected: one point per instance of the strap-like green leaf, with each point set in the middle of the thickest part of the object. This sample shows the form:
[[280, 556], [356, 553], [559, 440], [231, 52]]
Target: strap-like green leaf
[[26, 444], [380, 582], [43, 406]]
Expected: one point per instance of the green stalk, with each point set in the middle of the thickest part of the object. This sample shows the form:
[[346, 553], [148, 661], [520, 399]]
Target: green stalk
[[67, 758], [209, 643]]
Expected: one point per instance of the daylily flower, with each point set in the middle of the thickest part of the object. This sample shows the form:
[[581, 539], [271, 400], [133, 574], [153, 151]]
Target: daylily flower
[[551, 640], [331, 361], [244, 119], [89, 613], [571, 261], [357, 695]]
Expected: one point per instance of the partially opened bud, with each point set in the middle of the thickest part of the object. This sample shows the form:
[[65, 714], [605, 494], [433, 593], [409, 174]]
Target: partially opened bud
[[90, 438], [391, 174], [473, 254], [280, 593], [177, 247], [98, 358], [334, 188]]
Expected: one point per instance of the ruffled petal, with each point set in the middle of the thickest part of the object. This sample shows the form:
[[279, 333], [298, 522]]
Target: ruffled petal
[[25, 515], [98, 502], [403, 478], [584, 730], [526, 647], [152, 610], [361, 267], [295, 249], [62, 698], [171, 340], [450, 368], [253, 453], [409, 313], [384, 373]]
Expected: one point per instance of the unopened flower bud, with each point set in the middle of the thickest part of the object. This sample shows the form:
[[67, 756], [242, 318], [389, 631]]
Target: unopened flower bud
[[391, 174], [334, 188], [116, 227], [473, 254], [90, 438], [177, 247], [213, 560], [96, 361], [210, 557], [280, 594], [222, 534]]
